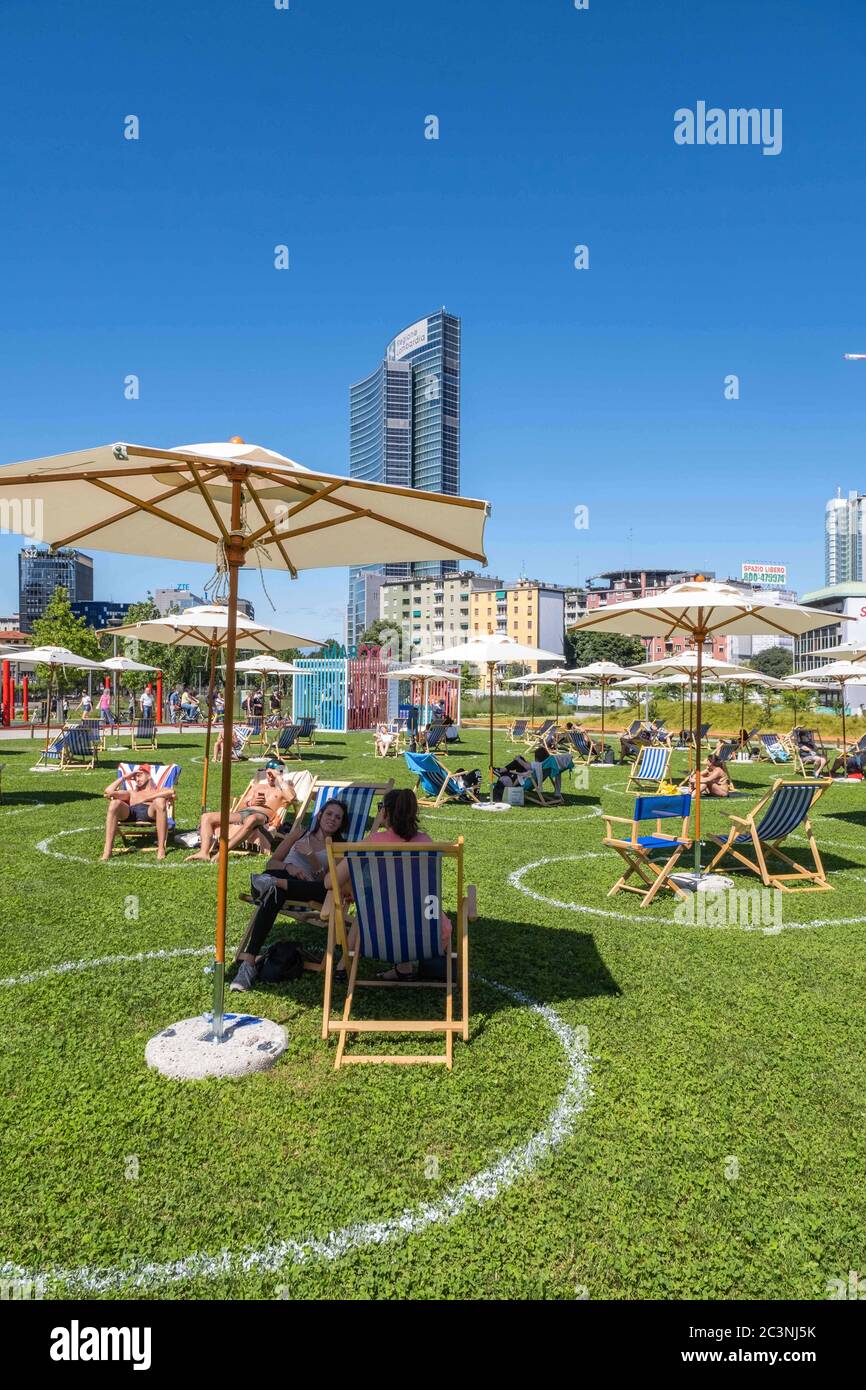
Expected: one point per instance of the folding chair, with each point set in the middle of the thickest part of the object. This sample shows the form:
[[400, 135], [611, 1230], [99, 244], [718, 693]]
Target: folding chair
[[285, 745], [650, 770], [517, 732], [54, 751], [163, 776], [773, 748], [434, 738], [397, 918], [536, 736], [144, 734], [79, 749], [306, 727], [785, 809], [578, 742], [637, 849], [436, 781]]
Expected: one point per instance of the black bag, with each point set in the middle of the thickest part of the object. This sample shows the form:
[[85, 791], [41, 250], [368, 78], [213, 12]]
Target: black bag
[[282, 961]]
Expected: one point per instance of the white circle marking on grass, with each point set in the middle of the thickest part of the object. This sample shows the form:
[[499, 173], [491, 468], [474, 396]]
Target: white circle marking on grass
[[16, 810], [44, 847], [515, 880], [476, 1191]]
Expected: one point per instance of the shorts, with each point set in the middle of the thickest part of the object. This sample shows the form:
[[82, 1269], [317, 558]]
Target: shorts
[[247, 811], [138, 813]]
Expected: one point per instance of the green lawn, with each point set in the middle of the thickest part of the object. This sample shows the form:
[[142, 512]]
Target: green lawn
[[683, 1117]]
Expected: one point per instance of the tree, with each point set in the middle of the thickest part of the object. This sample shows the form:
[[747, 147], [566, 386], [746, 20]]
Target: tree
[[60, 627], [383, 634], [469, 678], [775, 661], [582, 648]]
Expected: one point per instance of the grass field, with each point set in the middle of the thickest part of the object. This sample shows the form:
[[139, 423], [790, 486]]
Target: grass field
[[645, 1109]]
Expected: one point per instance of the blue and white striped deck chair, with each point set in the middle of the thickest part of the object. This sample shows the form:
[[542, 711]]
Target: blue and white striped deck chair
[[144, 733], [397, 892], [357, 797], [773, 748], [638, 850], [53, 753], [434, 738], [306, 727], [585, 749], [79, 748], [436, 781], [785, 809], [650, 770], [284, 742]]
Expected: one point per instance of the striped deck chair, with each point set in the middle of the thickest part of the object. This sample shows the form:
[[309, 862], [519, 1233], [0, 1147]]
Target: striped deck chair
[[285, 742], [435, 781], [576, 741], [785, 809], [398, 918], [162, 775], [637, 849], [650, 770], [79, 749], [773, 748], [536, 736], [306, 729], [94, 727], [144, 734], [53, 752], [434, 739], [517, 732]]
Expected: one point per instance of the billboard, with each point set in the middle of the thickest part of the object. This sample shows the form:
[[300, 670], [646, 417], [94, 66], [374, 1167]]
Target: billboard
[[768, 576], [413, 337]]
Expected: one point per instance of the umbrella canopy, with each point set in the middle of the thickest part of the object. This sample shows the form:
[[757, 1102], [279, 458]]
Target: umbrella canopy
[[125, 663], [227, 503], [490, 649], [850, 651], [697, 609], [840, 673], [52, 657], [425, 674], [603, 673], [269, 665]]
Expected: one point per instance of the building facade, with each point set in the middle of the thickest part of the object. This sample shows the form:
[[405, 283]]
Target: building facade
[[431, 614], [844, 538], [101, 613], [40, 570], [181, 597], [620, 586], [404, 429]]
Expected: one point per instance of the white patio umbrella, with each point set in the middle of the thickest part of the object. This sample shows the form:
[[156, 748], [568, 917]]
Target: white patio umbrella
[[642, 683], [54, 658], [207, 625], [119, 664], [556, 676], [266, 665], [697, 609], [842, 673], [424, 674], [798, 683], [685, 663], [227, 503], [605, 674], [848, 651], [491, 649]]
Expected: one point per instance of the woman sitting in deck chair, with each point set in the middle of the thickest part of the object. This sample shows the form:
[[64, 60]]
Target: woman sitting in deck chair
[[260, 808], [714, 779], [296, 870], [139, 802]]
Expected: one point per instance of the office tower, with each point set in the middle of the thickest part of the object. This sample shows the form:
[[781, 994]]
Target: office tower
[[405, 430], [844, 537], [40, 570]]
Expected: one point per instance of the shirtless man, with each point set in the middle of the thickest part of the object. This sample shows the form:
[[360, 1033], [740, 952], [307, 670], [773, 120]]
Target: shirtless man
[[260, 806], [141, 802]]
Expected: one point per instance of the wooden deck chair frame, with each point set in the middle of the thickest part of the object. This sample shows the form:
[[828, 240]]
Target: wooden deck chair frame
[[639, 781], [518, 731], [536, 736], [653, 875], [583, 755], [78, 750], [274, 750], [343, 934], [144, 734], [307, 725], [443, 796], [764, 751], [802, 880], [439, 745]]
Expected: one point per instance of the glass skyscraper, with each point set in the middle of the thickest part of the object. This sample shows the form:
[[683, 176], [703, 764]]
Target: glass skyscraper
[[405, 430], [40, 570]]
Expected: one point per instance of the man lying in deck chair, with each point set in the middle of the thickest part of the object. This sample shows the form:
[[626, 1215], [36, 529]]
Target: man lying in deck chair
[[259, 809], [135, 799], [438, 784], [785, 809]]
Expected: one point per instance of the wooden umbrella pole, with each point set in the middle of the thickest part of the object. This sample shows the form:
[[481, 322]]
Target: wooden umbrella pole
[[603, 748], [235, 555], [742, 712], [48, 719], [700, 636], [844, 740], [213, 657]]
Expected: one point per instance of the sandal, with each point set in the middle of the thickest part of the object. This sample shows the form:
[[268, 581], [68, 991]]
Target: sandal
[[395, 976]]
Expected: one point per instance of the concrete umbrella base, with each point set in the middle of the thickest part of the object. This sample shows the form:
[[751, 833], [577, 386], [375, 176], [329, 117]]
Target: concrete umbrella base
[[186, 1050]]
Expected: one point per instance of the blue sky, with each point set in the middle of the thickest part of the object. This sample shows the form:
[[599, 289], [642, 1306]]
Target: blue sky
[[602, 388]]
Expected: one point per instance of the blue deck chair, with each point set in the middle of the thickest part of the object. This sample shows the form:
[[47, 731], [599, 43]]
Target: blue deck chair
[[785, 809], [517, 732], [577, 742], [532, 737], [306, 729], [79, 748], [651, 768], [637, 849], [773, 748], [436, 781], [144, 734], [285, 744], [397, 894], [52, 753], [162, 775], [434, 738]]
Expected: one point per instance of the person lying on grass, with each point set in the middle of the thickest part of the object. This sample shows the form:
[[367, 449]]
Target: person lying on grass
[[714, 779], [399, 826], [260, 808], [137, 801], [296, 870]]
